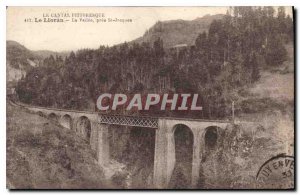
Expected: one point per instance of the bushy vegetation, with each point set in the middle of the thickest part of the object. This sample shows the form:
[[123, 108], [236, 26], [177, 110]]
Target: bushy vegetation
[[223, 60], [43, 155], [239, 153]]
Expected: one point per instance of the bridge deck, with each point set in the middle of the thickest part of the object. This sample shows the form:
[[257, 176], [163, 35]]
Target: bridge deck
[[149, 121]]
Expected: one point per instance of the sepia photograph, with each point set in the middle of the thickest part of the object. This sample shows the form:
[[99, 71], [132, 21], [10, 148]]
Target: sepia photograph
[[167, 98]]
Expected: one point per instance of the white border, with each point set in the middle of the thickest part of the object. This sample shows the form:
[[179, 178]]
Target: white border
[[4, 3]]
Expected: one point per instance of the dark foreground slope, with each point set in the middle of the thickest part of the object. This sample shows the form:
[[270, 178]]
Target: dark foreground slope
[[43, 155]]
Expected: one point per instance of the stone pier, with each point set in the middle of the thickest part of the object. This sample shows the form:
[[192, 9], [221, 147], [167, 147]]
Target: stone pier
[[103, 145]]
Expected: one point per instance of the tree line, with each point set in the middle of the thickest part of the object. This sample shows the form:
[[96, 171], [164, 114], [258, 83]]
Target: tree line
[[223, 61]]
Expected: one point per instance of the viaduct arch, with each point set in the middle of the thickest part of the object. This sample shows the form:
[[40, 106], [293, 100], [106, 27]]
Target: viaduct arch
[[66, 121], [183, 142], [83, 127]]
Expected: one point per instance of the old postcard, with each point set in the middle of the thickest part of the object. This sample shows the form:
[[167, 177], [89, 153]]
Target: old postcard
[[150, 98]]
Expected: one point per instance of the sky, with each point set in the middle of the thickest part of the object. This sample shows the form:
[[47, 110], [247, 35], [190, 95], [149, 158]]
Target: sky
[[23, 25]]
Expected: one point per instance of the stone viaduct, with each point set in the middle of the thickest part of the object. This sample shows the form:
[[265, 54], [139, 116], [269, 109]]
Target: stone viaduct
[[164, 156]]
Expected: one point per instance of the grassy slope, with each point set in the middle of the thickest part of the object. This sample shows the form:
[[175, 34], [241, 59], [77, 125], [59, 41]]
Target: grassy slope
[[277, 86], [42, 155], [277, 83]]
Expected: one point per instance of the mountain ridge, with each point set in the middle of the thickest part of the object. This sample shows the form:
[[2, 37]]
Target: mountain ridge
[[175, 32], [20, 59]]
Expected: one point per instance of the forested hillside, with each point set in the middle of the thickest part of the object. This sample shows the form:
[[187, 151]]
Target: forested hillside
[[220, 64]]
